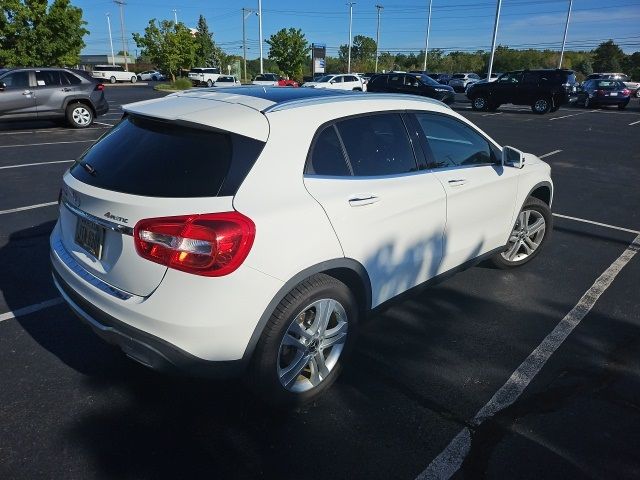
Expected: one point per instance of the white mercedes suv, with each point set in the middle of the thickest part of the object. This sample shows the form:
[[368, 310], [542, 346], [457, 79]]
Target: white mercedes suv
[[248, 230]]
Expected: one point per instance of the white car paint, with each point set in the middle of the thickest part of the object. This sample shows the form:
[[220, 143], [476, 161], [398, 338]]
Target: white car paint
[[339, 82], [113, 73], [418, 227], [151, 75]]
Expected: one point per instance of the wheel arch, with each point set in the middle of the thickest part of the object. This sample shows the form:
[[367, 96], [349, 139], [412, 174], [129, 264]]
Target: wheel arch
[[542, 191], [351, 272], [84, 101]]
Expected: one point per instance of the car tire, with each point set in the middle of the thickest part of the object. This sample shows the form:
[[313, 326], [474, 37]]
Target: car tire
[[79, 115], [357, 89], [154, 78], [209, 83], [480, 103], [112, 80], [286, 367], [541, 106], [134, 79], [530, 233], [637, 94]]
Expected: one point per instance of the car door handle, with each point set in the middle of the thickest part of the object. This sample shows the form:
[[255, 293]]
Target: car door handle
[[362, 200], [66, 89], [458, 182], [27, 92]]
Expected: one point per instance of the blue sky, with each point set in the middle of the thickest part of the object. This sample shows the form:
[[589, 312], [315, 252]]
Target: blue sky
[[455, 25]]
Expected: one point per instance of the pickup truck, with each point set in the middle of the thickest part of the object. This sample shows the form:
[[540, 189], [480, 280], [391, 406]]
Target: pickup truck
[[204, 76], [113, 74]]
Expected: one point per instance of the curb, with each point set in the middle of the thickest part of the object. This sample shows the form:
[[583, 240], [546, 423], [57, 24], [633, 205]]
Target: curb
[[126, 84]]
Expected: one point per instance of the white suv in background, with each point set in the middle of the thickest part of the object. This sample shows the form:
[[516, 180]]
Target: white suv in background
[[113, 74], [339, 82], [310, 208], [460, 81], [204, 76]]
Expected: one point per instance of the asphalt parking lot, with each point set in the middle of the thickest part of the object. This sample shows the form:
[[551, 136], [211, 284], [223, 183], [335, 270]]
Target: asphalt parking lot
[[473, 375]]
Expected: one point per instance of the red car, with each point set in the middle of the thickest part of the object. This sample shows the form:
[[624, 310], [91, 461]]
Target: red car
[[283, 82]]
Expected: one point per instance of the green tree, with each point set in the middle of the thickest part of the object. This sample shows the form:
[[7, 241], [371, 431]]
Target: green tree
[[207, 52], [608, 57], [288, 48], [363, 53], [170, 46], [36, 33]]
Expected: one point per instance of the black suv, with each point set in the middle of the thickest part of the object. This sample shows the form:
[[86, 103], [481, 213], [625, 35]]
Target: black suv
[[412, 83], [51, 94], [544, 90]]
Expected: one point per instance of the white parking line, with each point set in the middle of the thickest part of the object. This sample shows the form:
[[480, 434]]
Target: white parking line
[[491, 114], [29, 207], [46, 143], [107, 124], [30, 309], [572, 115], [606, 225], [633, 123], [450, 460], [549, 154], [34, 164]]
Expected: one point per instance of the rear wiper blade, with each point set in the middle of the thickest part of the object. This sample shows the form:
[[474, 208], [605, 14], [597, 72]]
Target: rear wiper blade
[[88, 168]]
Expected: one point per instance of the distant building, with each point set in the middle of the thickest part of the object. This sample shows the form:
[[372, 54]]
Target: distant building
[[88, 61]]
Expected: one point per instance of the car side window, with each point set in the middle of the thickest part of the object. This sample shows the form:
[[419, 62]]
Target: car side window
[[452, 143], [327, 157], [48, 78], [16, 79], [69, 78], [529, 78], [410, 81], [509, 78], [377, 145], [379, 81], [396, 80]]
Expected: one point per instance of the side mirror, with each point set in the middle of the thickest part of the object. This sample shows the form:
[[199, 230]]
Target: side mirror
[[2, 86], [512, 157], [332, 81]]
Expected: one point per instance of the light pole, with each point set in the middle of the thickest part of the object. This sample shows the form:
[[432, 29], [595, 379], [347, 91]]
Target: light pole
[[426, 47], [378, 7], [495, 36], [246, 13], [564, 38], [121, 4], [260, 28], [350, 4], [175, 16], [113, 57]]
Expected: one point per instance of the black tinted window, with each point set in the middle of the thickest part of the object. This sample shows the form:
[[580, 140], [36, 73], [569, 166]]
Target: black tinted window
[[453, 143], [70, 78], [379, 81], [47, 78], [150, 158], [377, 145], [327, 157], [16, 79]]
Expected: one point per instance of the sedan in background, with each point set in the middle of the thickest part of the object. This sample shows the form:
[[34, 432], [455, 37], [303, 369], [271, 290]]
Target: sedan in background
[[153, 75], [413, 84], [460, 81], [595, 93], [227, 81]]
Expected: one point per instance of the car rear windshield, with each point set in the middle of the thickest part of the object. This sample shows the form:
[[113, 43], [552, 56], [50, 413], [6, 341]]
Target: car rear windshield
[[458, 75], [161, 159], [196, 70], [609, 85]]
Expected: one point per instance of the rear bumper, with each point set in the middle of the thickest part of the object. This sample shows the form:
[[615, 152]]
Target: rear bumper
[[102, 106], [610, 100], [143, 347]]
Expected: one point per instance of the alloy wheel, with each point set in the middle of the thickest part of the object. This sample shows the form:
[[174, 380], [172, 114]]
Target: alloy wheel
[[81, 116], [480, 103], [312, 345], [541, 105], [526, 237]]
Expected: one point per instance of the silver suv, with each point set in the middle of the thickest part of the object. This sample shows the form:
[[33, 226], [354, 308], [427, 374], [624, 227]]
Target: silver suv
[[51, 94]]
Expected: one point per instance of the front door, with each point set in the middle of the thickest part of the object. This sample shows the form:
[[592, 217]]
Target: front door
[[387, 215], [505, 89], [17, 99], [481, 193]]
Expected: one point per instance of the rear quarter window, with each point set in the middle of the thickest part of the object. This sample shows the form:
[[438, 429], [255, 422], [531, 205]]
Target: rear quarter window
[[159, 159]]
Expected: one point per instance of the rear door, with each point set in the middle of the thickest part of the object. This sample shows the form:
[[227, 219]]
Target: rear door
[[505, 89], [142, 169], [387, 215], [50, 92], [481, 193], [18, 97]]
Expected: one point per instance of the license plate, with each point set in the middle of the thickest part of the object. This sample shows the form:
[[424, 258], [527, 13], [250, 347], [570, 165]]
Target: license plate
[[90, 236], [614, 94]]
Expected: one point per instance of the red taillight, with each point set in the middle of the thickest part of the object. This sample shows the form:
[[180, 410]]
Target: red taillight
[[600, 92], [626, 92], [100, 87], [211, 244]]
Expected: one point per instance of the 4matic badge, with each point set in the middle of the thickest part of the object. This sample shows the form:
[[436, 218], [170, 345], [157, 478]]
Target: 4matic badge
[[110, 216]]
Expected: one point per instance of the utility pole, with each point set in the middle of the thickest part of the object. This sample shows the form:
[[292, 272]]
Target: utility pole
[[113, 57], [426, 47], [564, 39], [121, 4], [246, 13], [378, 7], [350, 4], [495, 36], [175, 16], [260, 28]]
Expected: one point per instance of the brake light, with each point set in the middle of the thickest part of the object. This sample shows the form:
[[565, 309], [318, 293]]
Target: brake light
[[211, 244], [99, 87], [626, 92], [600, 92]]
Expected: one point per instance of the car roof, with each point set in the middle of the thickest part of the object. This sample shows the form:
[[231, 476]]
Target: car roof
[[240, 109]]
